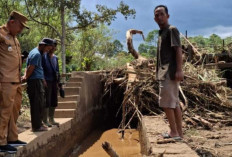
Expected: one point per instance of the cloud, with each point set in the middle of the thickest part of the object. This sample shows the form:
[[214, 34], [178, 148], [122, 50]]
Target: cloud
[[222, 31], [199, 17]]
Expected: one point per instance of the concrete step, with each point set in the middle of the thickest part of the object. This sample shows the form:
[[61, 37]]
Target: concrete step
[[72, 90], [67, 105], [37, 139], [64, 113], [73, 84], [150, 135], [69, 98], [76, 74], [75, 79]]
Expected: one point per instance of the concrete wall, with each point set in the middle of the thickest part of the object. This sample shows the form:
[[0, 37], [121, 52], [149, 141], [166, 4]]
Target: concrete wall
[[60, 141], [151, 129], [90, 94]]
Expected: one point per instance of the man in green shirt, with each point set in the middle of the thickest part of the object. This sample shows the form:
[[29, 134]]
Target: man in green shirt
[[169, 71]]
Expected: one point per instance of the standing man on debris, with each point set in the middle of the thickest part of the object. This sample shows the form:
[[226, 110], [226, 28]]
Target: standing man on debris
[[169, 71], [52, 77], [34, 76], [10, 83]]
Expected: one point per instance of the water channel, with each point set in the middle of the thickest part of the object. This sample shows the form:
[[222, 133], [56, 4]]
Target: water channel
[[127, 147]]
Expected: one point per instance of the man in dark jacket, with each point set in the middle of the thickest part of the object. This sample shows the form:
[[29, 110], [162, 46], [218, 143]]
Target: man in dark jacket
[[51, 73]]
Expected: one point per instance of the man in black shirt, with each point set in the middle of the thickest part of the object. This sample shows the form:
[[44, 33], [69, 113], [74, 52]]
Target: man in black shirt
[[169, 71]]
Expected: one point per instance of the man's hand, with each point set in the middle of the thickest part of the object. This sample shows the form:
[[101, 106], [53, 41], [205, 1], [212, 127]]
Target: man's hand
[[23, 79], [45, 83], [60, 85], [179, 76]]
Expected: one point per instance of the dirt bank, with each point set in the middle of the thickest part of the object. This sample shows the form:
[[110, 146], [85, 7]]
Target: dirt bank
[[216, 143]]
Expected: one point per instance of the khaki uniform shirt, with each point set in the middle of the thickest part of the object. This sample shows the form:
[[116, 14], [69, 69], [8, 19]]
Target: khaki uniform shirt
[[166, 54], [10, 57]]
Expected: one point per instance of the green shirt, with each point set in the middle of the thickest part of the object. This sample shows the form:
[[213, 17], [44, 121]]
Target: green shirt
[[166, 54]]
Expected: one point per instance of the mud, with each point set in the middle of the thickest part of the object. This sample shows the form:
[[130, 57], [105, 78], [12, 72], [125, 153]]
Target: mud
[[215, 143], [127, 147]]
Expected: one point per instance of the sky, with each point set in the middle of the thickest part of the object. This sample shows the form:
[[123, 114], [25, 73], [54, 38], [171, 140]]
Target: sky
[[198, 17]]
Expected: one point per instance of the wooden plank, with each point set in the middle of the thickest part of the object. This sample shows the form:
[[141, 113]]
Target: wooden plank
[[132, 74], [218, 65]]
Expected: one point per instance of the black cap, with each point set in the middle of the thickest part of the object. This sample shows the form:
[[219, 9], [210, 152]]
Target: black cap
[[46, 41], [54, 42]]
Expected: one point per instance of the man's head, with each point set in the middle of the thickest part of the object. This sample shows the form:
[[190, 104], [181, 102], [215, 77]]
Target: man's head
[[53, 47], [161, 15], [16, 23], [46, 45]]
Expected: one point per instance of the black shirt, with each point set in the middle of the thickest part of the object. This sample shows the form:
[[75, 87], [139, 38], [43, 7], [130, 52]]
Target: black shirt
[[166, 54]]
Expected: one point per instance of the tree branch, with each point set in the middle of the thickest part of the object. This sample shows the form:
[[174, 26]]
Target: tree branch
[[42, 23], [81, 27], [88, 24]]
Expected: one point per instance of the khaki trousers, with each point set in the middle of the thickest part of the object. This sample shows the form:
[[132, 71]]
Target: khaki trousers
[[169, 93], [10, 104]]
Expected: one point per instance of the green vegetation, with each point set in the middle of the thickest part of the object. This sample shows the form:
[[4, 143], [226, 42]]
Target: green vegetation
[[85, 41], [212, 44], [83, 35], [148, 48]]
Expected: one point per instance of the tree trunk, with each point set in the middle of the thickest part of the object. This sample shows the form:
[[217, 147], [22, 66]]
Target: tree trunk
[[63, 37]]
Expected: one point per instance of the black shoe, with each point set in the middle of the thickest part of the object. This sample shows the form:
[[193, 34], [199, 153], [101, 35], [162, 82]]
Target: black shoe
[[8, 149], [16, 143]]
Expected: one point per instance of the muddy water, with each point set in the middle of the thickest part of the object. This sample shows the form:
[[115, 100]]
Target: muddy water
[[127, 147]]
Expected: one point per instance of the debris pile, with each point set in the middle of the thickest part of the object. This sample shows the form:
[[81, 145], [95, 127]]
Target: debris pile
[[203, 93]]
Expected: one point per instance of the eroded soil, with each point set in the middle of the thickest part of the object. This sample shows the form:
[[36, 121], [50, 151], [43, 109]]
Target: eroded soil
[[207, 143]]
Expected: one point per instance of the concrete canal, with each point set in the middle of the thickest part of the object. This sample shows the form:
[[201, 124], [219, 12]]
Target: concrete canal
[[128, 147], [86, 121]]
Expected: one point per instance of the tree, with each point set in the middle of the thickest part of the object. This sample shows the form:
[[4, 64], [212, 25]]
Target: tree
[[149, 46], [215, 40], [41, 11], [143, 48], [91, 43], [152, 37], [212, 44], [116, 47], [200, 40], [228, 40]]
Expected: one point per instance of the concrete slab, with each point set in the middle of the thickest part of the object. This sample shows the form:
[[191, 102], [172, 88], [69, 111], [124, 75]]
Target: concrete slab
[[36, 139], [151, 130], [72, 90], [64, 113], [28, 136], [76, 79], [67, 105], [69, 98], [73, 84]]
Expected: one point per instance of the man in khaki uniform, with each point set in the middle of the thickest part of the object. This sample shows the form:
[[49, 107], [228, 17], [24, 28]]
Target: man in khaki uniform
[[10, 81]]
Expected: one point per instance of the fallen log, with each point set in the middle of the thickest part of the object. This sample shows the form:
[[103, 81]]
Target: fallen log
[[164, 141], [119, 80], [189, 120], [109, 150], [203, 122], [185, 105], [129, 35]]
